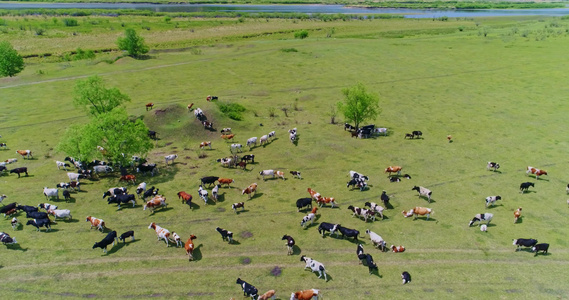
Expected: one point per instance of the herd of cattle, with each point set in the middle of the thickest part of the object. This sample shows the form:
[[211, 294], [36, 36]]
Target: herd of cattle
[[120, 196]]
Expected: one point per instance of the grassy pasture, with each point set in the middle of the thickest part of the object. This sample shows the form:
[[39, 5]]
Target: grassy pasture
[[500, 96]]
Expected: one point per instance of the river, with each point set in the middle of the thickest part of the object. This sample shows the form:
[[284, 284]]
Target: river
[[307, 8]]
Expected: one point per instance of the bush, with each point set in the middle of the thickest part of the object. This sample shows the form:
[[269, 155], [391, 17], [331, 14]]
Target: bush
[[231, 110], [82, 54], [301, 34], [70, 22]]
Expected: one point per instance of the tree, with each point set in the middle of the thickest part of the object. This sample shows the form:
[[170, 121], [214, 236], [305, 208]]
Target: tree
[[114, 131], [11, 63], [359, 105], [132, 43], [92, 93]]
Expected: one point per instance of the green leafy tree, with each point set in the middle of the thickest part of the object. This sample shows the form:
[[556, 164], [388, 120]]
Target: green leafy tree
[[359, 105], [132, 43], [93, 94], [114, 131], [11, 63]]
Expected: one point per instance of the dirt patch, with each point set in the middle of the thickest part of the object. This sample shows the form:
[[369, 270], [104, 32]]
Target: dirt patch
[[428, 290], [67, 294], [513, 291], [187, 157], [276, 271], [246, 234], [159, 112], [168, 144], [245, 260]]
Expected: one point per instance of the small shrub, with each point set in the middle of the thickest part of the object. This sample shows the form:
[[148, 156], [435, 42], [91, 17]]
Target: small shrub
[[54, 20], [82, 54], [39, 31], [241, 20], [231, 110], [167, 19], [289, 50], [301, 34], [2, 22], [271, 112], [40, 72], [70, 22], [460, 28]]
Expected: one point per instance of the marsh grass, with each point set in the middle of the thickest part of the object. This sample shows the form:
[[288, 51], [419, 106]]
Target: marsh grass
[[500, 101]]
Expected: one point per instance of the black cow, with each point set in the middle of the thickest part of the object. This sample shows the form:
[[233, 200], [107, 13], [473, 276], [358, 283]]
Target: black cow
[[248, 157], [524, 243], [303, 202], [125, 235], [364, 132], [248, 289], [3, 169], [525, 186], [122, 199], [209, 180], [417, 133], [145, 168], [540, 247], [225, 234], [19, 170], [40, 223], [6, 239], [36, 215], [109, 239], [324, 226], [406, 277], [370, 263], [150, 192], [4, 209], [385, 199], [348, 232], [152, 134], [66, 195], [27, 208]]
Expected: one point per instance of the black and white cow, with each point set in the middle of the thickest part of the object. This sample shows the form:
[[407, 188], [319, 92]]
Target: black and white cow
[[150, 192], [109, 239], [289, 243], [406, 277], [248, 157], [370, 264], [524, 243], [47, 206], [325, 226], [145, 168], [6, 239], [66, 195], [492, 165], [349, 127], [490, 200], [114, 191], [40, 223], [378, 209], [225, 234], [248, 289], [303, 202], [122, 199], [360, 253], [540, 247]]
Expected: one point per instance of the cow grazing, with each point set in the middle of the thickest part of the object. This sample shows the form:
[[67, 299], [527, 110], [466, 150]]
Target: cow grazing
[[210, 98], [109, 239], [378, 209], [177, 239], [315, 195], [236, 148], [310, 217], [406, 277], [161, 233], [186, 198], [207, 125], [490, 200], [203, 194], [114, 192], [76, 186], [525, 186], [267, 173], [102, 169], [141, 188], [394, 179], [152, 191], [19, 171], [385, 198], [315, 266], [376, 240], [128, 178], [209, 180], [347, 232], [189, 246], [235, 206], [206, 144], [198, 113], [226, 130], [393, 169], [536, 172], [225, 234], [97, 223], [524, 243], [517, 214], [149, 105], [417, 133], [270, 294], [289, 243], [416, 211], [379, 131], [325, 226], [492, 165], [4, 145], [325, 200], [349, 127], [25, 153], [272, 134], [480, 218], [226, 181], [61, 164], [6, 239], [50, 193], [250, 190], [425, 192], [408, 135], [292, 137], [171, 158], [397, 249], [40, 223], [157, 201], [295, 174], [303, 202], [126, 235], [370, 264], [11, 160], [248, 289], [305, 295], [359, 183], [15, 223], [60, 213], [540, 247], [145, 168]]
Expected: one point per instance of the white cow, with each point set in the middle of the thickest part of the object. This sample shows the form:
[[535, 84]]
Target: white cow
[[203, 194], [272, 134], [267, 173], [252, 141], [50, 192], [376, 240], [3, 197], [73, 176], [61, 164], [171, 158], [236, 147], [380, 131], [315, 266], [177, 239], [264, 139], [215, 192], [60, 213]]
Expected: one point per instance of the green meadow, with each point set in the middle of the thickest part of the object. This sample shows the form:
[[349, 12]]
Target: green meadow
[[497, 85]]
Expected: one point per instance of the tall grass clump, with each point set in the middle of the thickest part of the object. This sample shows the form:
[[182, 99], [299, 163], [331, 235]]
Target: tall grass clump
[[301, 34], [70, 22], [231, 110]]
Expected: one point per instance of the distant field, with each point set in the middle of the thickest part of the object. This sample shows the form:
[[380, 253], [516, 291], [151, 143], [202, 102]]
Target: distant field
[[496, 85]]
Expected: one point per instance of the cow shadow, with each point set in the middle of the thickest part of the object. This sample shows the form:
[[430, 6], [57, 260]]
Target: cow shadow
[[51, 230], [16, 247], [255, 196], [520, 220], [296, 250], [115, 248], [295, 142], [528, 192], [431, 219], [161, 210], [197, 254], [494, 206], [69, 220], [524, 249], [194, 206], [239, 211], [235, 242]]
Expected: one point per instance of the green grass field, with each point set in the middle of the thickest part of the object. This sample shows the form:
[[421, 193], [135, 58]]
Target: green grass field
[[501, 97]]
